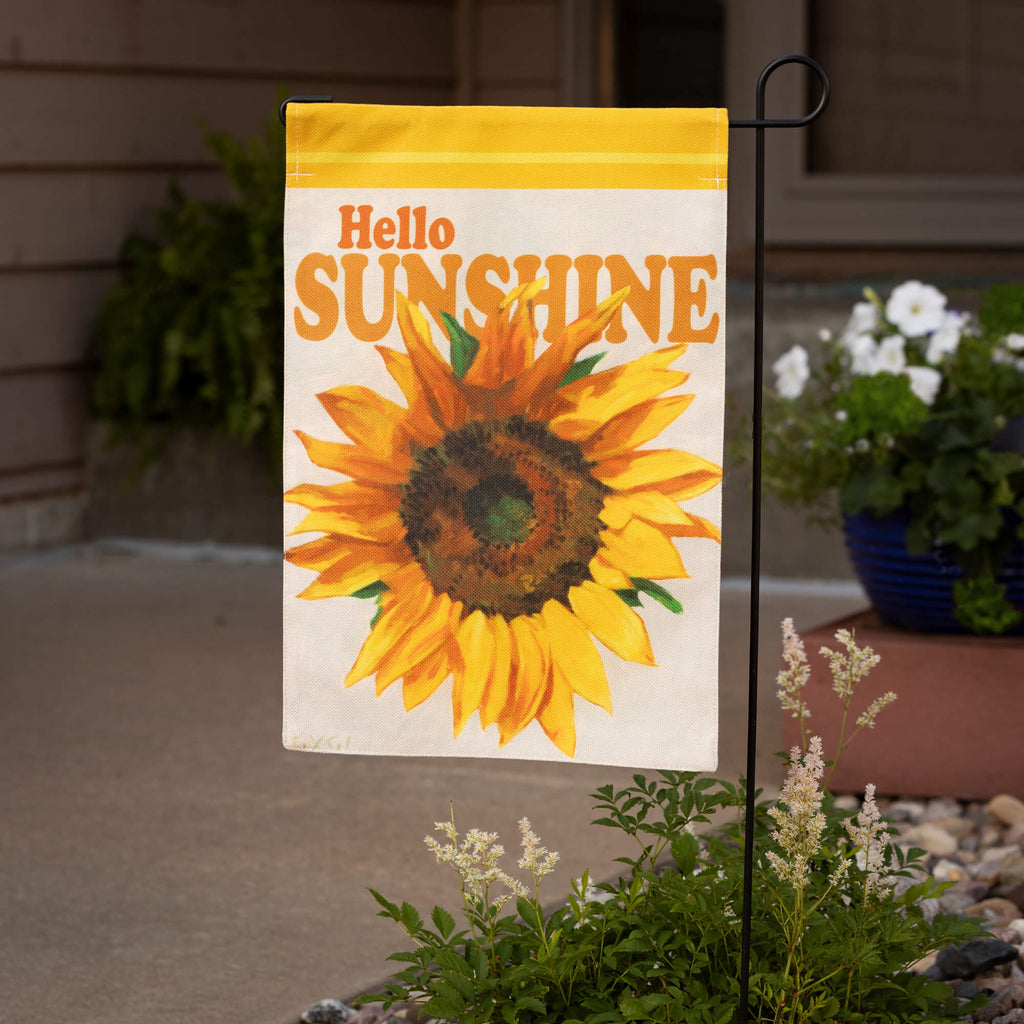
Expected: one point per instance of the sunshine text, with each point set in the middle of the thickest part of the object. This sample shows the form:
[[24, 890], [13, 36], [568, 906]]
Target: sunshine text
[[325, 284]]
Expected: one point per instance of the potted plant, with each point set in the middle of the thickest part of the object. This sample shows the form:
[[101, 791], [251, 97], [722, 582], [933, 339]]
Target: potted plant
[[187, 356], [913, 415]]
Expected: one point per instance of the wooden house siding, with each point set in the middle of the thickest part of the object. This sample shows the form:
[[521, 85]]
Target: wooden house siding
[[100, 105]]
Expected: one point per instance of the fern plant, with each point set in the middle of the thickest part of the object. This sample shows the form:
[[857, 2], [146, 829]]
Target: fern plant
[[191, 334]]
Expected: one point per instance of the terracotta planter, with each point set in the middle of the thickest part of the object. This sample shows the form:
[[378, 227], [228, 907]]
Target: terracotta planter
[[956, 729]]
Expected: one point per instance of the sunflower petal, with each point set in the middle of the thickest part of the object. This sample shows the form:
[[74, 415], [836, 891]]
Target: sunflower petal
[[695, 527], [476, 642], [548, 372], [346, 496], [496, 693], [658, 469], [402, 611], [653, 506], [353, 565], [633, 428], [531, 668], [640, 549], [382, 527], [357, 462], [419, 642], [607, 575], [612, 621], [367, 418], [607, 393], [420, 420], [575, 654], [556, 714], [434, 374], [422, 681]]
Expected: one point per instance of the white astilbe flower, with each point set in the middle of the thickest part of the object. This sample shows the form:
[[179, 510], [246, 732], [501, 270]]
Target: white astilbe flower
[[474, 860], [924, 382], [839, 872], [793, 678], [945, 341], [891, 355], [1015, 342], [850, 668], [792, 371], [798, 816], [862, 349], [863, 319], [867, 719], [915, 308], [869, 835], [535, 858]]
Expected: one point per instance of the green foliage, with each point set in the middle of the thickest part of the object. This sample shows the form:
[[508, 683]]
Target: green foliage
[[662, 943], [1002, 310], [464, 346], [191, 334], [865, 437]]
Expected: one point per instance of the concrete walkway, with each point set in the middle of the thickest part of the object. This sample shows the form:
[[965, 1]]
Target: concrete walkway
[[164, 860]]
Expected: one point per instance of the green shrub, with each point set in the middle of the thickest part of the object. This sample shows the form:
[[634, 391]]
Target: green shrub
[[191, 335]]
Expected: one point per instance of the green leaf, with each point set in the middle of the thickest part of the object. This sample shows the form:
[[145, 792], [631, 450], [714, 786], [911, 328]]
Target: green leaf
[[443, 921], [685, 848], [443, 1005], [581, 368], [631, 597], [659, 593], [478, 960], [530, 913], [530, 1003], [410, 917], [464, 346], [371, 590], [390, 908]]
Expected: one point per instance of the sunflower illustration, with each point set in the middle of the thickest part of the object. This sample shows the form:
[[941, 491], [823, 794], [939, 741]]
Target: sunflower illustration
[[506, 517]]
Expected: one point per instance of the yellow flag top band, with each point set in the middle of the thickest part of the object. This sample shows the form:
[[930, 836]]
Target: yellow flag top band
[[341, 145]]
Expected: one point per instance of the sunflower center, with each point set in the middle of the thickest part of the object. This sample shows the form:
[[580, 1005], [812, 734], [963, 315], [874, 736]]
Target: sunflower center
[[499, 510], [503, 515]]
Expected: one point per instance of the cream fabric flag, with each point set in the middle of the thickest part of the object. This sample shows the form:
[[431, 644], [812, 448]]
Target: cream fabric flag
[[503, 409]]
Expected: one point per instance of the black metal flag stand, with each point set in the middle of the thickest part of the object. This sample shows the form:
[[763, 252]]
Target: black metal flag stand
[[759, 124]]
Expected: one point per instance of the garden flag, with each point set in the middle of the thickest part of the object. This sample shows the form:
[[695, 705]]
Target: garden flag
[[504, 382]]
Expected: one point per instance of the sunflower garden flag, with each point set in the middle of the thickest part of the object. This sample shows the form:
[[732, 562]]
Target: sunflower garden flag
[[503, 407]]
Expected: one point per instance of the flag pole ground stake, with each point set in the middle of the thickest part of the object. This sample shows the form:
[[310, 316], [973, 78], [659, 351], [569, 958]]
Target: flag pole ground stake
[[759, 124]]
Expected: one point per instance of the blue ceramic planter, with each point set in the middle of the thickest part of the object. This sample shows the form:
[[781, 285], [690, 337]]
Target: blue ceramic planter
[[915, 592]]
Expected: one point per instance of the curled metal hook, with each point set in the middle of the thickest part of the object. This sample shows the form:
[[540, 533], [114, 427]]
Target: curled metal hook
[[787, 122], [301, 99]]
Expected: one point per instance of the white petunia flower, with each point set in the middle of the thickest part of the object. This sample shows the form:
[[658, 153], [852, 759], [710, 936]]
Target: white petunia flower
[[792, 371], [924, 382], [915, 308], [891, 355], [863, 319], [1015, 342], [946, 339], [863, 349]]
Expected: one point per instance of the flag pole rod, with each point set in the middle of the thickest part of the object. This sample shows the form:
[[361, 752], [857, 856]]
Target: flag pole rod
[[759, 124]]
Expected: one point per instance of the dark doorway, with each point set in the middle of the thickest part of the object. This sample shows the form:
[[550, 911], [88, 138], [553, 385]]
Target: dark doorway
[[669, 53]]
